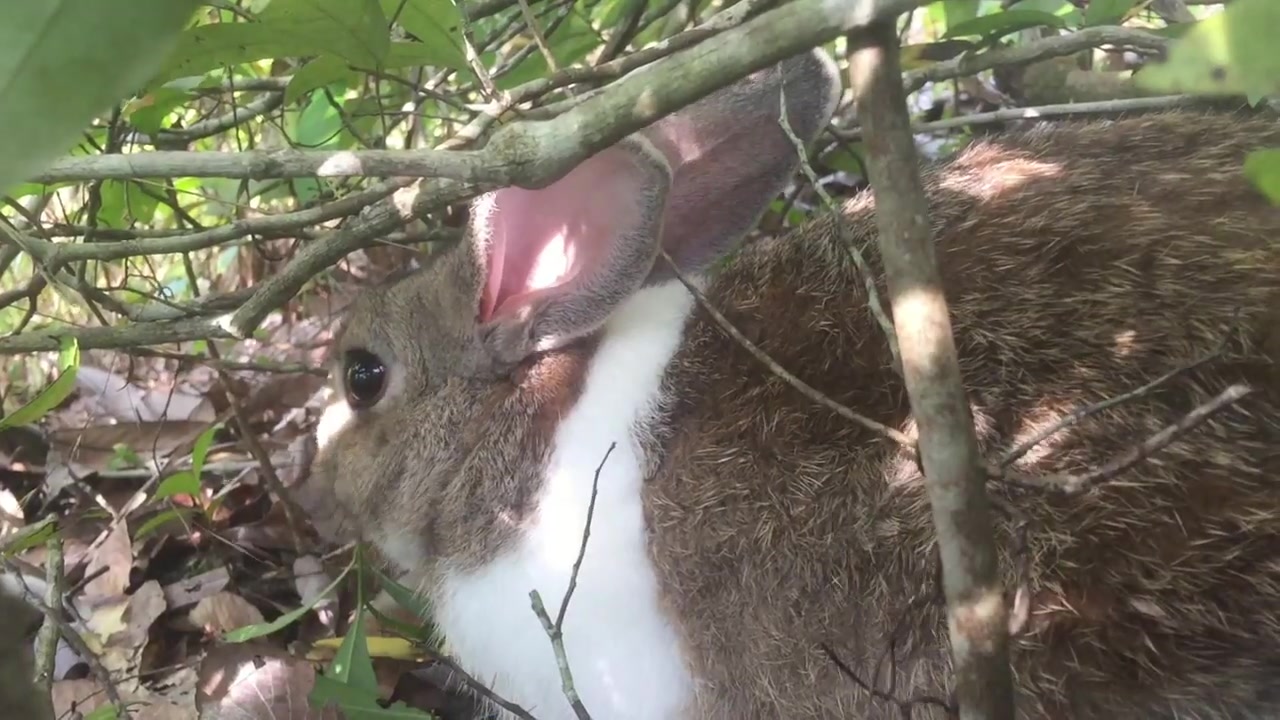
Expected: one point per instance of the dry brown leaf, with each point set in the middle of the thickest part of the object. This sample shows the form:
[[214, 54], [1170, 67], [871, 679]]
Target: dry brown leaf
[[122, 629], [83, 696], [225, 611], [115, 558], [129, 402], [254, 681], [194, 589], [92, 448]]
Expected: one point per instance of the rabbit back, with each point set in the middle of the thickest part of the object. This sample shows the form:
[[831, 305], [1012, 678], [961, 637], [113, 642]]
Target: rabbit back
[[1082, 260]]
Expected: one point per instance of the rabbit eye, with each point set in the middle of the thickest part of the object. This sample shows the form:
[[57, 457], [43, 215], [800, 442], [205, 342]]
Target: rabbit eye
[[366, 377]]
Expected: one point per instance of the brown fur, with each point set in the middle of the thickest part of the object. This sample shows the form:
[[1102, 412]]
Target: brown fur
[[1081, 261]]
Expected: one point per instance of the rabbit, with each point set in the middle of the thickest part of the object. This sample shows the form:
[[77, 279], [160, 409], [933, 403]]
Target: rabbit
[[753, 554]]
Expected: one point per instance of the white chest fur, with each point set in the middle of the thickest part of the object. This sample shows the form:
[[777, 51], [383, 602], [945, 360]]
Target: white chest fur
[[623, 652]]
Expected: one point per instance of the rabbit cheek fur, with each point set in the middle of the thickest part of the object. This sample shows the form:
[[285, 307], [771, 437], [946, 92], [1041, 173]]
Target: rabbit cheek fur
[[515, 359]]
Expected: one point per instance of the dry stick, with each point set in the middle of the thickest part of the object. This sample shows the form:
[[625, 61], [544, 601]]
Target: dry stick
[[954, 470], [864, 270], [76, 642], [1038, 112], [806, 389], [47, 638], [555, 629], [1081, 413], [1074, 484]]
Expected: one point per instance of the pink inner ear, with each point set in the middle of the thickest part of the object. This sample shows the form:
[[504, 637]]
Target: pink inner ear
[[541, 241]]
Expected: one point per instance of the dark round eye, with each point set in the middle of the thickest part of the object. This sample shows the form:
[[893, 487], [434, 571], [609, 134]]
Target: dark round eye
[[366, 378]]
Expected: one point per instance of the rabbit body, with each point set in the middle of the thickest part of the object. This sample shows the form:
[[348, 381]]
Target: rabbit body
[[739, 527]]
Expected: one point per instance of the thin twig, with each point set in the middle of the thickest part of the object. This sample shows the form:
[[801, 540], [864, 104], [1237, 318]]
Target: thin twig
[[555, 630], [864, 270], [531, 21], [1081, 413], [586, 533], [76, 642], [903, 704], [47, 638], [1074, 484], [805, 389]]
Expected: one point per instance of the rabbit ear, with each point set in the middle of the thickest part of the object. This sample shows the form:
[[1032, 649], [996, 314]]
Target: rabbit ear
[[732, 157], [558, 260]]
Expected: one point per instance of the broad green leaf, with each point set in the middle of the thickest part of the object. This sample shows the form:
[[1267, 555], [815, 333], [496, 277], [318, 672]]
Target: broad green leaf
[[436, 23], [358, 704], [1228, 53], [124, 204], [953, 12], [358, 28], [31, 536], [1262, 167], [323, 71], [58, 390], [63, 61], [249, 632], [1107, 12], [1003, 23], [354, 30], [179, 483], [148, 112]]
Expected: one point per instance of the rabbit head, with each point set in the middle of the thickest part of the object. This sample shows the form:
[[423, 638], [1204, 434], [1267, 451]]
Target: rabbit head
[[451, 380]]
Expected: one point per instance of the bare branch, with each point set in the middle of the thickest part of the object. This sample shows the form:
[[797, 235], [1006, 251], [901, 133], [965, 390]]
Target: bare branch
[[1049, 47], [955, 473], [530, 154]]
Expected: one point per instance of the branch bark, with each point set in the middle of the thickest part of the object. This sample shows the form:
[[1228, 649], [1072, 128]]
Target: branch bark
[[525, 154], [953, 467]]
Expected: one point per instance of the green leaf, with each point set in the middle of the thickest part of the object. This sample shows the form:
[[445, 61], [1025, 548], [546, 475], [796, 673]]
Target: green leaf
[[105, 712], [1107, 12], [201, 448], [31, 536], [124, 204], [1228, 53], [996, 25], [359, 704], [179, 483], [358, 28], [249, 632], [352, 665], [570, 43], [58, 390], [354, 30], [155, 521], [436, 23], [148, 113], [63, 61], [1262, 167], [326, 70]]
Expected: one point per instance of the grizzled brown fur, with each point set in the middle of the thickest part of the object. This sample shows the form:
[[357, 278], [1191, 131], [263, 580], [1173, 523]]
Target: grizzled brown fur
[[1081, 260]]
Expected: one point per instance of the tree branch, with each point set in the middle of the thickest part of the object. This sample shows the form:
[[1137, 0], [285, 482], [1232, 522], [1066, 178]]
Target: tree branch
[[955, 473]]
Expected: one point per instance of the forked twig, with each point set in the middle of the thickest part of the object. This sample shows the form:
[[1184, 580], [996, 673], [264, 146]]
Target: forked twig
[[554, 629], [1076, 483]]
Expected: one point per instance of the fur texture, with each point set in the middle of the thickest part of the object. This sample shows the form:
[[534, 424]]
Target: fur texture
[[740, 526]]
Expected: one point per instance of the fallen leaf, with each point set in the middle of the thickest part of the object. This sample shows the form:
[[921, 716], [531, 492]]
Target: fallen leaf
[[224, 611], [256, 680], [192, 590]]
